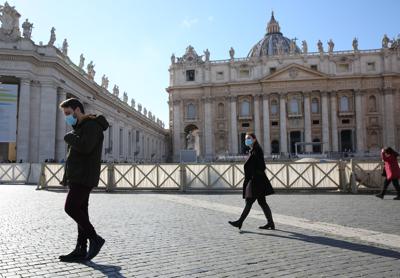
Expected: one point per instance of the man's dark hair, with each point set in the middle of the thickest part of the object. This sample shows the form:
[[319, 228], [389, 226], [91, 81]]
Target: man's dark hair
[[73, 103]]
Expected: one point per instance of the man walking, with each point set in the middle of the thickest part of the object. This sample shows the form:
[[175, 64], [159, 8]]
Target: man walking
[[82, 173]]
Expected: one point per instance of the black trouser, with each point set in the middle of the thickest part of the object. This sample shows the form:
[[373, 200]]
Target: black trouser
[[386, 185], [76, 206], [263, 204]]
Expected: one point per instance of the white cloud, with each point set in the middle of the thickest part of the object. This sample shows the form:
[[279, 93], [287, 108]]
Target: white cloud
[[189, 22]]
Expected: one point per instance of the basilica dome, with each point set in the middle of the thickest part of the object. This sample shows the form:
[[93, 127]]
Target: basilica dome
[[273, 43]]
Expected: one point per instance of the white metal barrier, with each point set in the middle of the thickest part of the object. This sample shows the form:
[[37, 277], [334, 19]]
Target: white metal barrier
[[342, 175], [14, 172]]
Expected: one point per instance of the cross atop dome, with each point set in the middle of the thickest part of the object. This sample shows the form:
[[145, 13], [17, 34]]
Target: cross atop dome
[[273, 25]]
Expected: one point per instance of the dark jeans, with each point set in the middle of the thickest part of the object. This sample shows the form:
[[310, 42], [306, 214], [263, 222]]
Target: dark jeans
[[76, 206], [395, 184], [263, 204]]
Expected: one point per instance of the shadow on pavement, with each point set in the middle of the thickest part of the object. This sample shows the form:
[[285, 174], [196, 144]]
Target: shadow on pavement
[[107, 270], [332, 242]]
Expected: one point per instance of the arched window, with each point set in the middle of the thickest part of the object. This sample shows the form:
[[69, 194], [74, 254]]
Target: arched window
[[245, 108], [275, 147], [372, 104], [274, 107], [191, 111], [221, 110], [294, 106], [344, 104], [315, 106]]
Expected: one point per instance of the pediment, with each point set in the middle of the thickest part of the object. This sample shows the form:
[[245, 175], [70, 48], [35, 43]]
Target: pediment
[[294, 72]]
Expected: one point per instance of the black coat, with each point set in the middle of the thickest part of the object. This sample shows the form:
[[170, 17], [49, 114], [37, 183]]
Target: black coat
[[85, 144], [254, 174]]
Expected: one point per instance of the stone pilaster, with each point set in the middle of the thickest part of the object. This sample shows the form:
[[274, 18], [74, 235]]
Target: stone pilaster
[[360, 130], [61, 127], [266, 129], [176, 130], [23, 135], [257, 125], [307, 122], [234, 129], [208, 135], [334, 128], [47, 125], [282, 124], [325, 122], [389, 118]]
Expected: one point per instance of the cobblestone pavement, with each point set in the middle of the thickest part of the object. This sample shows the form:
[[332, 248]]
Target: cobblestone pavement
[[176, 235]]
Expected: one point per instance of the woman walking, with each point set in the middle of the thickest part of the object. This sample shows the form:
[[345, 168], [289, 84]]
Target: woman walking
[[392, 171], [256, 184]]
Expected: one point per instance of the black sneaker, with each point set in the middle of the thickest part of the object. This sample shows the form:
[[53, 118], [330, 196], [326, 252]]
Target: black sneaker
[[379, 195], [396, 198], [78, 254], [95, 247]]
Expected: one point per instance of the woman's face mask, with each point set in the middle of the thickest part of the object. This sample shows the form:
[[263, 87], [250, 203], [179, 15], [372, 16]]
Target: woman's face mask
[[248, 142]]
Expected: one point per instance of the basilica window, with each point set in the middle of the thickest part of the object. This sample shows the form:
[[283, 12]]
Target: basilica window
[[315, 106], [314, 67], [220, 75], [243, 73], [190, 75], [274, 107], [372, 104], [221, 110], [371, 66], [294, 106], [344, 104], [245, 108], [342, 67], [191, 112], [272, 70]]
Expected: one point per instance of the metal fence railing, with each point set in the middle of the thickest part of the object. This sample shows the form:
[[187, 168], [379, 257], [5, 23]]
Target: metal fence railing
[[347, 176]]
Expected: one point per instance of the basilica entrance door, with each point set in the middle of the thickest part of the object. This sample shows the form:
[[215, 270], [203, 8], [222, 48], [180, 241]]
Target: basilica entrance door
[[295, 136], [346, 140]]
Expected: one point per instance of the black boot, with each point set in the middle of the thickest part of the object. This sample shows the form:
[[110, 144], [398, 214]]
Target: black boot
[[237, 224], [270, 225], [78, 254], [96, 242]]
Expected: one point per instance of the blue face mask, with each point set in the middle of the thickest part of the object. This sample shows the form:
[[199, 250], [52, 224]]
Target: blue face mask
[[71, 120], [248, 142]]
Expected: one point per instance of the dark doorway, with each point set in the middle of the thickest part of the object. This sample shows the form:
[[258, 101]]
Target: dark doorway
[[316, 148], [346, 141], [295, 136], [243, 148], [275, 147]]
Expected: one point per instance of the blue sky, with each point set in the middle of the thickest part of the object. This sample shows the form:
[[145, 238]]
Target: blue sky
[[132, 41]]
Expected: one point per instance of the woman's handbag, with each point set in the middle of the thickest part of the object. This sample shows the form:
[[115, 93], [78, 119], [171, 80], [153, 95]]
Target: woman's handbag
[[384, 172]]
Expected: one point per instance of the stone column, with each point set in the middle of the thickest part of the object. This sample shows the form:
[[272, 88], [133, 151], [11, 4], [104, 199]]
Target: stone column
[[282, 124], [257, 125], [234, 129], [266, 126], [307, 122], [23, 135], [360, 131], [176, 131], [335, 140], [47, 128], [325, 122], [61, 127], [208, 135], [389, 118]]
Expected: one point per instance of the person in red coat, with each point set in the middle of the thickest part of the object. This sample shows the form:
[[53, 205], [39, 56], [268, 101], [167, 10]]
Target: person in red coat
[[392, 171], [256, 184]]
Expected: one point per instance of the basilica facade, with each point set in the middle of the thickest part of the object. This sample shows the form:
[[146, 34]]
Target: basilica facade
[[36, 77], [339, 101]]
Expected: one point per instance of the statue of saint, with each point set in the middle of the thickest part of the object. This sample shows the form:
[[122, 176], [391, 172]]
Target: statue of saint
[[125, 97], [116, 91], [172, 59], [207, 55], [104, 81], [9, 18], [190, 140], [90, 70], [232, 53], [81, 61], [355, 44], [305, 47], [385, 41], [27, 29], [132, 103], [292, 46], [145, 111], [65, 48], [331, 46], [320, 47], [139, 108], [52, 36]]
